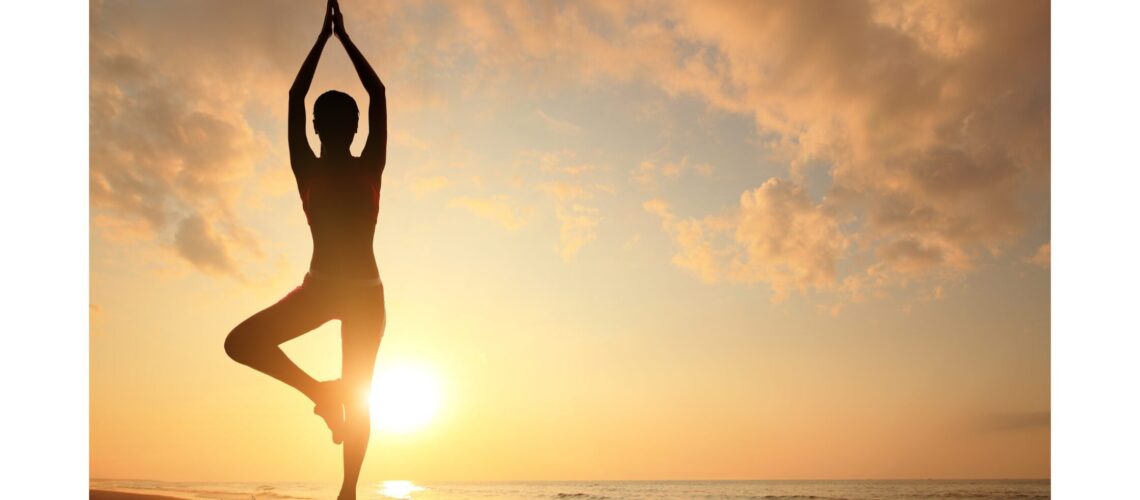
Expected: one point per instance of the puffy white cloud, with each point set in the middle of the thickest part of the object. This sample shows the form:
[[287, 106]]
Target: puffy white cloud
[[166, 155], [787, 240], [197, 241], [776, 236], [933, 119]]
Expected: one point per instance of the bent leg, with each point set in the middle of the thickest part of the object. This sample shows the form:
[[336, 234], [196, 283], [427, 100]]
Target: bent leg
[[256, 341], [362, 327]]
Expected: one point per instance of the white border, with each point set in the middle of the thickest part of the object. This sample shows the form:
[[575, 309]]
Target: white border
[[44, 220], [44, 212]]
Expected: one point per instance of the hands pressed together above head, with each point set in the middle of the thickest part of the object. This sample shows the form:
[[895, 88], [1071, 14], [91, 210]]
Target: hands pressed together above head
[[334, 21]]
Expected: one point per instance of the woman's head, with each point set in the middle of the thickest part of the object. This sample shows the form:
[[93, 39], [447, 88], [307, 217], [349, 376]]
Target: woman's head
[[335, 117]]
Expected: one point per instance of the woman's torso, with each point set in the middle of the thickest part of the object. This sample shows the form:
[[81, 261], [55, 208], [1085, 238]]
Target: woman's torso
[[341, 202]]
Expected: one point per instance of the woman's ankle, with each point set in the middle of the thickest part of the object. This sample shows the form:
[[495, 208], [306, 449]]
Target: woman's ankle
[[325, 392]]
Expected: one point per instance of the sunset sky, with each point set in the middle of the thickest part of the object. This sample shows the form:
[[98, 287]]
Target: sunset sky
[[635, 240]]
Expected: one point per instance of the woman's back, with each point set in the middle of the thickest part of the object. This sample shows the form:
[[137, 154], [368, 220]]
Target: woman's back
[[341, 201]]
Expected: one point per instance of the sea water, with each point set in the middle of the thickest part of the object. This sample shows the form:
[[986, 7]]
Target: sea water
[[585, 490]]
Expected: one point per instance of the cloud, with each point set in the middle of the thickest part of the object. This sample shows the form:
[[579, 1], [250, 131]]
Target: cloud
[[560, 126], [198, 242], [163, 152], [177, 128], [569, 191], [691, 236], [938, 28], [648, 173], [565, 191], [171, 146], [424, 185], [562, 161], [573, 188], [496, 209], [578, 225], [931, 119], [788, 240], [776, 236], [1042, 257]]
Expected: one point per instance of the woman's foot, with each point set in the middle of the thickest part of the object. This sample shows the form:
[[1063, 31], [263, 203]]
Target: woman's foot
[[330, 407]]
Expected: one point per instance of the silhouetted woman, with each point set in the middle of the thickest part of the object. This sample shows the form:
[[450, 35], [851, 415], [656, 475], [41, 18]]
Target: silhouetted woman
[[340, 194]]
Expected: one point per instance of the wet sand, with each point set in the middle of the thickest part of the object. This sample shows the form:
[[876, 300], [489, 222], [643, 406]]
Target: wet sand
[[115, 495]]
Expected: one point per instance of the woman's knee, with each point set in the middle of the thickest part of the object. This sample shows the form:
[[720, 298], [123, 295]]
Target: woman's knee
[[240, 344], [356, 399], [357, 416]]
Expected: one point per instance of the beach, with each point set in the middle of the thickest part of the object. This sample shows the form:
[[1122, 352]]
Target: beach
[[1023, 489], [117, 495]]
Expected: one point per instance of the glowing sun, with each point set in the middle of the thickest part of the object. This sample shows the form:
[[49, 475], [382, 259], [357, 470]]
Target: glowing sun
[[404, 398]]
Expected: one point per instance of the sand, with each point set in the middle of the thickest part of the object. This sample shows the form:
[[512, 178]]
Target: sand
[[115, 495]]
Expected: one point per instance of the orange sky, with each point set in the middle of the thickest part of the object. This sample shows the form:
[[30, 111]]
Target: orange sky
[[651, 240]]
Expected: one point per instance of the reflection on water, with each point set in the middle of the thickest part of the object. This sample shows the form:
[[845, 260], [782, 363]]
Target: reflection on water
[[399, 489], [633, 490]]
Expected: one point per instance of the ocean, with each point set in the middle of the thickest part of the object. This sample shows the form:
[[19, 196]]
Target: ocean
[[587, 490]]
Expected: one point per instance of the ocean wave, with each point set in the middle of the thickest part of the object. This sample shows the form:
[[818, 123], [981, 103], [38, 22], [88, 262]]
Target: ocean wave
[[579, 495], [798, 497]]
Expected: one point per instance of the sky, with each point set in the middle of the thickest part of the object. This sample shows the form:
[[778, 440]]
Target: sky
[[641, 240]]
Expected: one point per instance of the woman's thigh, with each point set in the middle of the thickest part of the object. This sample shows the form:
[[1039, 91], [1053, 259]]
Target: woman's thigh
[[362, 326], [301, 311]]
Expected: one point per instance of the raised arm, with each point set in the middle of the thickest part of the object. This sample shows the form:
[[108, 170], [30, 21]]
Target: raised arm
[[375, 149], [299, 152]]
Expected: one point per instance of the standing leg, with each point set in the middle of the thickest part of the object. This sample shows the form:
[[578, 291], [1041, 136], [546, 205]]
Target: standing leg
[[256, 343], [362, 327]]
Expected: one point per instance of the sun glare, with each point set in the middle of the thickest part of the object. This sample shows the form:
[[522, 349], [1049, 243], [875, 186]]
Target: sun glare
[[404, 398], [399, 489]]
